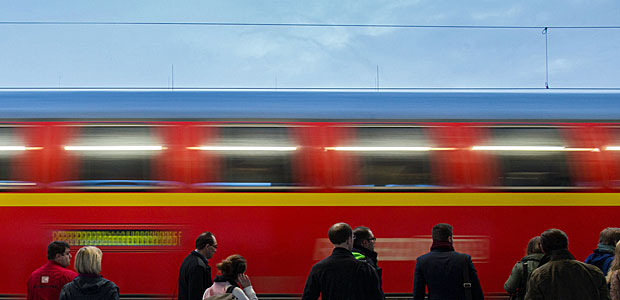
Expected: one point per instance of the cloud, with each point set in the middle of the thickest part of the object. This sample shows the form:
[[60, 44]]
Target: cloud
[[499, 15]]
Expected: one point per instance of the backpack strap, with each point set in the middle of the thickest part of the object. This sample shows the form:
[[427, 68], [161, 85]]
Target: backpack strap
[[525, 265], [230, 289], [466, 280]]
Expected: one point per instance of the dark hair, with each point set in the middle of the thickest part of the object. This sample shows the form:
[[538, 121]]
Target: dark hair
[[553, 239], [232, 266], [56, 247], [534, 246], [204, 239], [339, 233], [441, 232], [360, 234], [610, 236]]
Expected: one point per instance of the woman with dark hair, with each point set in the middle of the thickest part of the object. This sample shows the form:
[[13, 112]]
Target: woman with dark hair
[[613, 275], [232, 280], [517, 282]]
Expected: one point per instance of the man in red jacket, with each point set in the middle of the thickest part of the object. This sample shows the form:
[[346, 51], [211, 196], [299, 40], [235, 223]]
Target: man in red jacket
[[46, 282]]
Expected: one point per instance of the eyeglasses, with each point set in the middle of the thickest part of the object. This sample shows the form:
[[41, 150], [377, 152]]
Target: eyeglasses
[[374, 239], [214, 246]]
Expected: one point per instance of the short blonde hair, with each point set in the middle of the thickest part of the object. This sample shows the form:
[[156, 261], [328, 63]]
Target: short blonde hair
[[88, 260]]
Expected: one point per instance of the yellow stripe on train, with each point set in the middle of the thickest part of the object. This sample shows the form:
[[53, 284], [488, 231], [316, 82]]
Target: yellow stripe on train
[[309, 199]]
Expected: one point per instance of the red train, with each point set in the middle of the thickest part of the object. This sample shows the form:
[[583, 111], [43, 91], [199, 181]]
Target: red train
[[141, 174]]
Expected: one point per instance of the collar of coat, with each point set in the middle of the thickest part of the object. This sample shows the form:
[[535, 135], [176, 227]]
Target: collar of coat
[[560, 254]]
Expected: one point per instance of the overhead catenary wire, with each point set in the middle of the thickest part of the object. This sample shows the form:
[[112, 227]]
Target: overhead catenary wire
[[197, 88], [246, 24]]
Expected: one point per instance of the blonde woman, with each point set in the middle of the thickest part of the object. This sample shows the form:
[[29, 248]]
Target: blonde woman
[[89, 285], [613, 275], [233, 280]]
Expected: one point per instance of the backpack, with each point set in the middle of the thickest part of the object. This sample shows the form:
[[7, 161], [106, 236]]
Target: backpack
[[227, 296], [525, 276]]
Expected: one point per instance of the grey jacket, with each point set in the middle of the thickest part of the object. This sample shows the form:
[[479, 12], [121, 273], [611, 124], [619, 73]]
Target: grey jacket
[[516, 283]]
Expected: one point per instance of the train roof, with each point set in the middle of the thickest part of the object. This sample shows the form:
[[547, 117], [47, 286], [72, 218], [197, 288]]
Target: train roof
[[309, 105]]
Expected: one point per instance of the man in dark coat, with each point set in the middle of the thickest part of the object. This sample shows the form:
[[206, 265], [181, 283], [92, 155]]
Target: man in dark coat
[[604, 252], [443, 271], [341, 276], [364, 248], [195, 273], [563, 277]]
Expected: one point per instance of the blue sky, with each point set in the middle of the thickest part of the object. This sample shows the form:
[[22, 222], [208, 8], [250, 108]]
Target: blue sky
[[130, 56]]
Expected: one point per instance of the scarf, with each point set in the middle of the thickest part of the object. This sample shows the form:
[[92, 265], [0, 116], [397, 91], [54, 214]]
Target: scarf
[[437, 245], [222, 278]]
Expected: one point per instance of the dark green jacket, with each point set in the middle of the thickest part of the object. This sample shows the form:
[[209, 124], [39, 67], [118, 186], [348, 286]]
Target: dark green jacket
[[565, 278], [516, 283]]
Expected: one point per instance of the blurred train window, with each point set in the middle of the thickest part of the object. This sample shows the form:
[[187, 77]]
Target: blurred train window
[[613, 150], [11, 146], [115, 155], [391, 157], [529, 157], [252, 157]]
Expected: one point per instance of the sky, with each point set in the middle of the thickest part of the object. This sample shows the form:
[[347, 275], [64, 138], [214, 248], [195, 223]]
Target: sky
[[310, 57]]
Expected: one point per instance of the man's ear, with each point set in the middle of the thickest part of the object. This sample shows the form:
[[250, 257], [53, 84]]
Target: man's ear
[[450, 239]]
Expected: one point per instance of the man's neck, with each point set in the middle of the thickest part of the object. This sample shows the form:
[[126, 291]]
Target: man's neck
[[201, 253], [56, 263], [342, 247]]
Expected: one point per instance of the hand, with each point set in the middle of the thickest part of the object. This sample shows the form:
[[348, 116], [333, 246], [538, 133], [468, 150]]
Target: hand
[[244, 280]]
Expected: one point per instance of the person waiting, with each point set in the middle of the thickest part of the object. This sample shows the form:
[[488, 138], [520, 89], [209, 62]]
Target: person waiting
[[89, 284], [232, 280], [517, 281]]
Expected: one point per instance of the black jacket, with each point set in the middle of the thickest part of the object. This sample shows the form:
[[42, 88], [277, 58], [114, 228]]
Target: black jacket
[[442, 271], [85, 287], [194, 277], [342, 277], [370, 257]]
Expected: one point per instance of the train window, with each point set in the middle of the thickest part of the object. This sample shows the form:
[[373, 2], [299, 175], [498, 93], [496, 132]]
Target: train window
[[613, 150], [251, 157], [12, 146], [528, 157], [389, 157], [115, 156]]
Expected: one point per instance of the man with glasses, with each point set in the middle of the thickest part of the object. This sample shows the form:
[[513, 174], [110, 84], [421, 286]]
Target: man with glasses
[[364, 248], [47, 281], [195, 273]]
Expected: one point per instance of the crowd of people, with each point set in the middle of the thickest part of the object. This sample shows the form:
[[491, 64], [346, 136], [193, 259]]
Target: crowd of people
[[547, 271]]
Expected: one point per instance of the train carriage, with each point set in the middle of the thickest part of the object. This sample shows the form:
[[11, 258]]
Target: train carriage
[[141, 173]]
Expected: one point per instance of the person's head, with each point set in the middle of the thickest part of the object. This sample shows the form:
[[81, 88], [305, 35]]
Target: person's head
[[363, 238], [442, 232], [232, 266], [534, 246], [206, 244], [553, 239], [609, 236], [88, 260], [341, 235], [59, 252]]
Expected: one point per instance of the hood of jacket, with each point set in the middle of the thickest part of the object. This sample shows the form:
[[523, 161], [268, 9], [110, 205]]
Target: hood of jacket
[[89, 285], [534, 257]]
